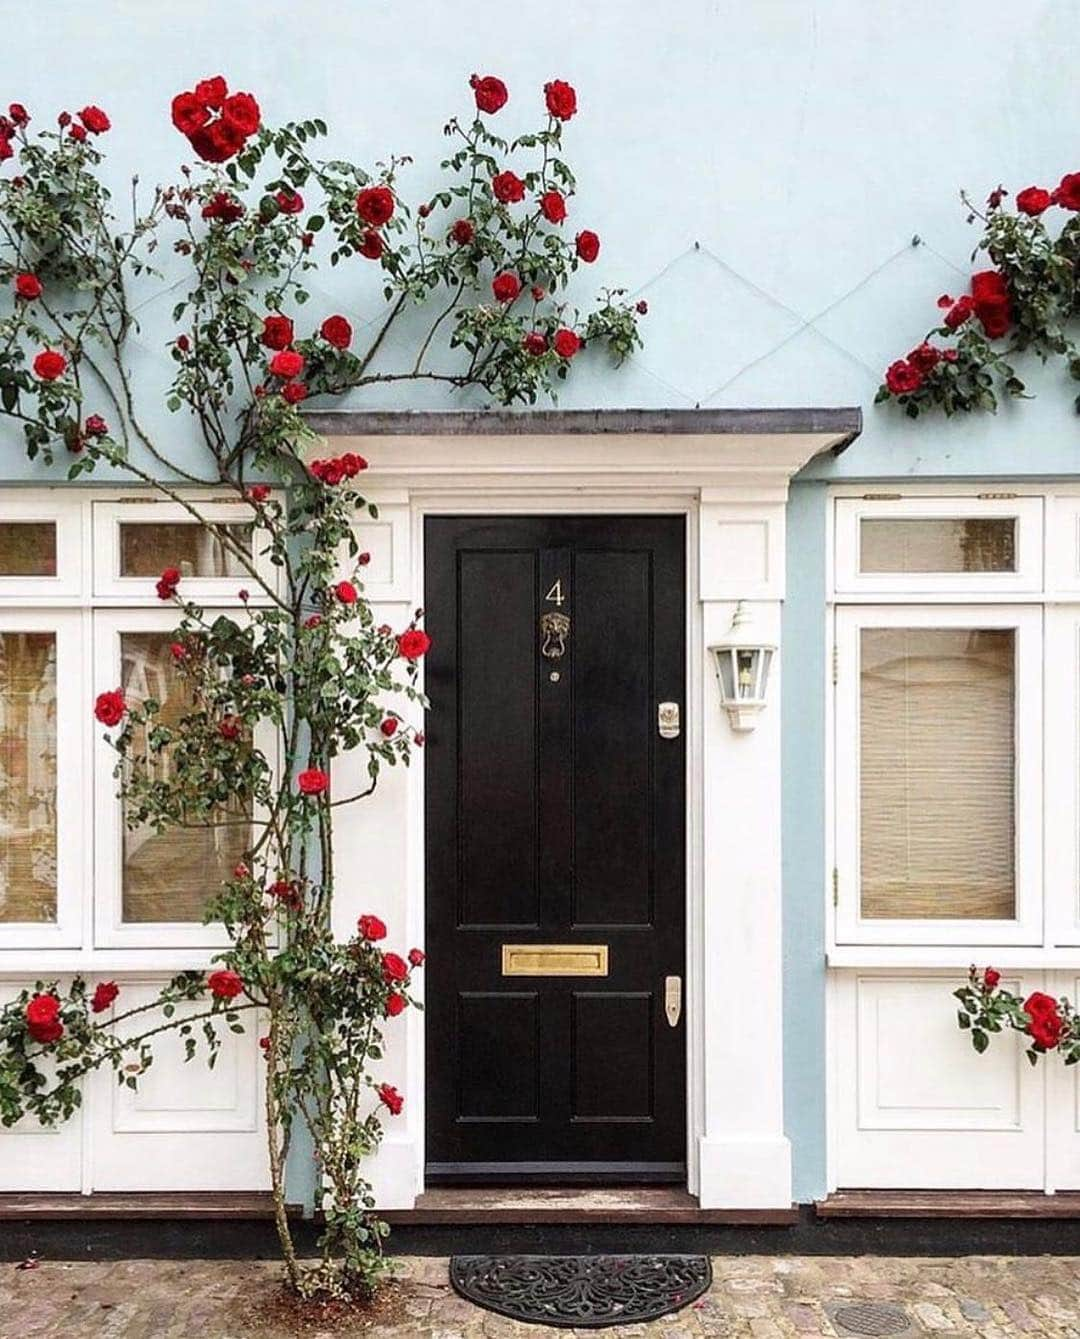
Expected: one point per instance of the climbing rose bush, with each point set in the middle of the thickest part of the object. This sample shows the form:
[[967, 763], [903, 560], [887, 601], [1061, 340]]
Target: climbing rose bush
[[1027, 297], [299, 674], [987, 1008]]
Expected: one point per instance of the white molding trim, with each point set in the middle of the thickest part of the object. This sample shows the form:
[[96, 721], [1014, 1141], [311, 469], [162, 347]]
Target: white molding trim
[[738, 1155]]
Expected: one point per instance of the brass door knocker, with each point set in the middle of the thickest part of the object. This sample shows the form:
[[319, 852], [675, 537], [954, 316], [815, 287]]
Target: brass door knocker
[[554, 629]]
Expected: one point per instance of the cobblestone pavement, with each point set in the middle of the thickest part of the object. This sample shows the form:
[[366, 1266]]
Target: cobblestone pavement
[[784, 1297]]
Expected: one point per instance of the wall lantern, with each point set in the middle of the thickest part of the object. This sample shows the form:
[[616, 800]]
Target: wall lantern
[[743, 658]]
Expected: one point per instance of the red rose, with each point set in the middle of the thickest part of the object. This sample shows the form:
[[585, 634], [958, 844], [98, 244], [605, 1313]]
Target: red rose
[[394, 968], [508, 188], [587, 245], [1046, 1025], [375, 205], [990, 302], [924, 358], [188, 113], [229, 727], [958, 312], [370, 927], [417, 956], [110, 707], [167, 583], [289, 202], [95, 426], [1067, 194], [312, 782], [312, 621], [49, 365], [259, 492], [506, 286], [336, 331], [277, 332], [294, 392], [389, 726], [561, 99], [642, 308], [1033, 201], [218, 141], [901, 378], [462, 232], [363, 558], [1038, 1004], [95, 120], [491, 94], [6, 151], [212, 92], [27, 286], [243, 111], [78, 133], [395, 1004], [391, 1098], [553, 206], [352, 464], [566, 343], [413, 643], [19, 114], [225, 985], [371, 244], [535, 343], [104, 994], [538, 293], [991, 977], [286, 364], [346, 592], [43, 1019]]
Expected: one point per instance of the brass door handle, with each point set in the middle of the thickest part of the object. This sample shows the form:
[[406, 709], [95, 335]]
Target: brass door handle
[[673, 999]]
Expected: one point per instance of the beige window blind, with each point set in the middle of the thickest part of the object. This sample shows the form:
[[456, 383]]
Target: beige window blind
[[937, 773], [27, 776], [937, 544]]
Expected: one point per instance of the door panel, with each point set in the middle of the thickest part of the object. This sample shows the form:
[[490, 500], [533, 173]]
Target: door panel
[[555, 817]]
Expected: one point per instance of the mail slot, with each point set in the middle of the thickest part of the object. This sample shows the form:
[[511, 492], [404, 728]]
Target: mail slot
[[554, 960]]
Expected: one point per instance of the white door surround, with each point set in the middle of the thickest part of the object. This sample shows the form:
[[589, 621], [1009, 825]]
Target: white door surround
[[728, 472]]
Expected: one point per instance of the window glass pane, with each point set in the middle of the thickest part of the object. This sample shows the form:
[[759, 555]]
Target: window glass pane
[[148, 547], [27, 776], [169, 876], [27, 549], [915, 544], [937, 769]]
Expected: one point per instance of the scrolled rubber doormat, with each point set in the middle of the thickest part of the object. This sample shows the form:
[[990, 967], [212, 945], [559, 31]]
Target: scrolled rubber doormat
[[581, 1291]]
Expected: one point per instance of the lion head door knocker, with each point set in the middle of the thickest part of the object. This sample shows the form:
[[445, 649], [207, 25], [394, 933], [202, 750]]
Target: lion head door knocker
[[554, 629]]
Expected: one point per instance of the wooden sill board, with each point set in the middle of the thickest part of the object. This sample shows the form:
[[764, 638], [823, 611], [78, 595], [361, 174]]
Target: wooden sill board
[[174, 1204], [948, 1204], [462, 1206]]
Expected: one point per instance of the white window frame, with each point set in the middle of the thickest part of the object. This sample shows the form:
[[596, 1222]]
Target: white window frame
[[72, 835], [850, 926], [66, 514], [109, 584], [110, 929], [1027, 511]]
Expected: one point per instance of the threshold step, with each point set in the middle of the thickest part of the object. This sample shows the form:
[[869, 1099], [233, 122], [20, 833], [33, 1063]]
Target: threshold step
[[128, 1205], [949, 1204], [461, 1206]]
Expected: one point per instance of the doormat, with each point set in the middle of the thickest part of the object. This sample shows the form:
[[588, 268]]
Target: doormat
[[582, 1291]]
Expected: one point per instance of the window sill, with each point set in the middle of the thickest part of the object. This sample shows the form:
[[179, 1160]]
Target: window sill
[[954, 956], [35, 963]]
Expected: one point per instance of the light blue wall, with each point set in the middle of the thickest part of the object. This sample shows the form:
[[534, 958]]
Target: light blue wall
[[756, 171]]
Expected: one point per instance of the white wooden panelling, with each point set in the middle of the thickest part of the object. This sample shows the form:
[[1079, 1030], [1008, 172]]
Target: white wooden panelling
[[913, 1105], [1063, 542], [1062, 774], [186, 1127], [1027, 928], [387, 539], [852, 511], [34, 1156], [741, 549]]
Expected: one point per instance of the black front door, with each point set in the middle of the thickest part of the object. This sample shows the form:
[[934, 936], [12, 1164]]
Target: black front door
[[555, 848]]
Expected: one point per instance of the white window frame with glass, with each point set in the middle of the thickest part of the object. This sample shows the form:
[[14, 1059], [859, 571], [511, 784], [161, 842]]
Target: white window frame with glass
[[88, 604], [851, 925], [853, 514]]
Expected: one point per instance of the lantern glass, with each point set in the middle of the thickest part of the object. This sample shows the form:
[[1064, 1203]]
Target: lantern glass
[[725, 666]]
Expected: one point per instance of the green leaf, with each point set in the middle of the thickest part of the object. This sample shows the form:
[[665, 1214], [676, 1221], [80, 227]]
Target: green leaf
[[979, 1040]]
